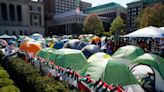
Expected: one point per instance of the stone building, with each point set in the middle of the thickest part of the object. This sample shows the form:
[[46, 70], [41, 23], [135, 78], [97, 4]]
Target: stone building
[[18, 17]]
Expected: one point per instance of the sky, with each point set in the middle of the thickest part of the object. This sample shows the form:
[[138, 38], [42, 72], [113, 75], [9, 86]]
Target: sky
[[100, 2]]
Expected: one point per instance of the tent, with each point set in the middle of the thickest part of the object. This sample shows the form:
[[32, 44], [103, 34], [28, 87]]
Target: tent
[[156, 63], [96, 39], [162, 29], [75, 44], [150, 31], [37, 36], [6, 37], [31, 47], [58, 45], [71, 58], [90, 50], [152, 60], [45, 53], [99, 57], [128, 52], [3, 43], [113, 73], [23, 39]]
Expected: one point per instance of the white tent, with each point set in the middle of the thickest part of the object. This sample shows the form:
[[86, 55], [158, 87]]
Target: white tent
[[6, 37], [161, 28], [147, 32], [37, 36]]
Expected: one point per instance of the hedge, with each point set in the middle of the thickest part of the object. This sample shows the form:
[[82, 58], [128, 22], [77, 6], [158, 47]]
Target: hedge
[[29, 79], [6, 84]]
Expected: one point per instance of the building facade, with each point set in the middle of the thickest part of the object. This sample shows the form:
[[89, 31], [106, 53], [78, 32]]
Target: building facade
[[84, 6], [57, 7], [133, 11], [18, 17], [70, 23], [109, 10]]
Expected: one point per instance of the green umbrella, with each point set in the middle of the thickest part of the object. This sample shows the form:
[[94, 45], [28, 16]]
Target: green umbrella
[[128, 52], [111, 72], [152, 60], [71, 58]]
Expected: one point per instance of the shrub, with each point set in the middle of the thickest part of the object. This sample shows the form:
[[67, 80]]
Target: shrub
[[3, 74], [10, 88], [29, 79], [5, 82]]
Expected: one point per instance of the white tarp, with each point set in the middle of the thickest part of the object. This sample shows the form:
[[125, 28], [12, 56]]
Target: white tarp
[[147, 32]]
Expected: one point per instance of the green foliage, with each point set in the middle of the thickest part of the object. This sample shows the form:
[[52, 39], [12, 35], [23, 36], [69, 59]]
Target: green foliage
[[151, 16], [92, 24], [5, 82], [29, 78], [107, 34], [3, 74], [10, 88], [117, 26]]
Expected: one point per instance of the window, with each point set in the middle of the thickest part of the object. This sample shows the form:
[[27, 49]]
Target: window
[[39, 8], [19, 12], [35, 17], [4, 11], [12, 12], [30, 7]]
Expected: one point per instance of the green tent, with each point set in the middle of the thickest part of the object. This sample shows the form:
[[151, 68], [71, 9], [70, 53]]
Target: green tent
[[152, 60], [45, 53], [100, 56], [111, 72], [128, 52], [71, 58]]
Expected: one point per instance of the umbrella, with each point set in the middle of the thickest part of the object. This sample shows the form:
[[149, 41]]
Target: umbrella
[[128, 52]]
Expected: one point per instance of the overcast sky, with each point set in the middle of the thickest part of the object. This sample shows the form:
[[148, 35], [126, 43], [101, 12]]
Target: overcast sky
[[99, 2]]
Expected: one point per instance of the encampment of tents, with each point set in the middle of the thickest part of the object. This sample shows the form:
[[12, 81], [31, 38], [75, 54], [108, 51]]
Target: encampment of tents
[[128, 52]]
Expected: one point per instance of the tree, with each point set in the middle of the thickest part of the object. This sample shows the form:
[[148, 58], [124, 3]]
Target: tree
[[117, 25], [151, 16], [92, 24]]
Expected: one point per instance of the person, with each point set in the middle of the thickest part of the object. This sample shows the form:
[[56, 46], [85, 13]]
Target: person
[[109, 47]]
